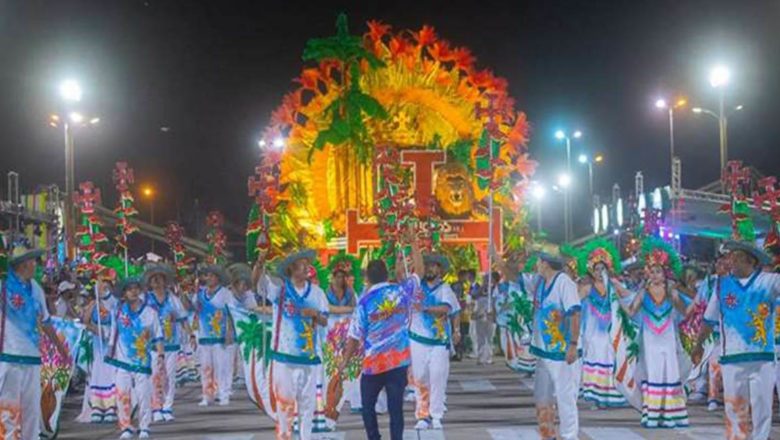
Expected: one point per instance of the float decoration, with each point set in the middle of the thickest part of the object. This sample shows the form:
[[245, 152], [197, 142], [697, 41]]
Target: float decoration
[[736, 180], [768, 202], [264, 187], [174, 234], [334, 122], [216, 238], [88, 233], [123, 177]]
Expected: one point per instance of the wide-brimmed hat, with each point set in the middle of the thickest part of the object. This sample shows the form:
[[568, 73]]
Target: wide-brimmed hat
[[217, 270], [439, 259], [550, 257], [152, 269], [240, 271], [126, 283], [21, 253], [283, 265], [65, 286], [757, 253]]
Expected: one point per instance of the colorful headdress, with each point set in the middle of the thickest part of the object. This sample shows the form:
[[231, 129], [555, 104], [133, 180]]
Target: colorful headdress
[[349, 265], [656, 252], [569, 254], [599, 250]]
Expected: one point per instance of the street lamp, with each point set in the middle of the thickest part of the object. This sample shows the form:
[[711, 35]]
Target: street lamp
[[149, 193], [71, 93], [719, 79], [662, 104], [585, 160], [561, 135]]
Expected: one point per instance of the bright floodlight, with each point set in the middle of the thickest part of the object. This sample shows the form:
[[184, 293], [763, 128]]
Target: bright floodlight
[[719, 76], [564, 180], [577, 134], [94, 121], [598, 158], [76, 118], [279, 143], [560, 134], [739, 107], [697, 109], [661, 103], [70, 90], [538, 192], [583, 158], [261, 143]]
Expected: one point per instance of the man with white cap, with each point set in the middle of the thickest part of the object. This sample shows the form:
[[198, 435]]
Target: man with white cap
[[215, 334], [555, 342], [431, 338], [742, 307], [173, 320], [22, 313], [299, 307]]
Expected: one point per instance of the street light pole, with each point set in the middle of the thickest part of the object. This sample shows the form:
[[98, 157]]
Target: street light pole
[[69, 214], [566, 201], [722, 126]]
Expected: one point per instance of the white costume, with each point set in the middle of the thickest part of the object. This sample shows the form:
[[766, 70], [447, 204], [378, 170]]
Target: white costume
[[557, 382], [743, 309], [133, 338], [23, 305], [100, 393], [430, 343], [215, 361], [296, 353], [172, 316]]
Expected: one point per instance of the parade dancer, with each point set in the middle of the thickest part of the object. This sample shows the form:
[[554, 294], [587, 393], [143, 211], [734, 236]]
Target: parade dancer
[[299, 307], [240, 285], [380, 326], [707, 290], [659, 308], [481, 327], [215, 335], [24, 315], [341, 303], [555, 343], [135, 330], [743, 309], [173, 319], [100, 393], [508, 299], [431, 335], [599, 259]]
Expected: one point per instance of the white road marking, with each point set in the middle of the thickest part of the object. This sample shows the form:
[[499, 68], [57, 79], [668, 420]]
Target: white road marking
[[478, 386], [329, 436], [230, 437], [514, 434], [428, 434], [527, 382], [612, 434], [705, 433]]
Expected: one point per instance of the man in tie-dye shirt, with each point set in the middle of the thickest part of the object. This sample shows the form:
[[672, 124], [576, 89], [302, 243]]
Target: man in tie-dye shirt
[[380, 325]]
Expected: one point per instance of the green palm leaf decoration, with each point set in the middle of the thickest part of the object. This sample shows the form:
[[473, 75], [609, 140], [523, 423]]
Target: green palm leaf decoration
[[350, 110]]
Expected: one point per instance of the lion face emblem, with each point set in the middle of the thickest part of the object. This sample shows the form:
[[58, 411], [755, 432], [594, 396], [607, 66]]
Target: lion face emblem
[[453, 190]]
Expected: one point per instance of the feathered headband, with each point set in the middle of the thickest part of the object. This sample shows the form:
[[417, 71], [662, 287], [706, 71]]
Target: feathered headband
[[656, 252]]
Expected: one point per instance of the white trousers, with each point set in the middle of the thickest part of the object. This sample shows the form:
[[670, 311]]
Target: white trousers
[[473, 337], [557, 384], [747, 395], [216, 372], [164, 382], [20, 400], [294, 389], [133, 387], [430, 370]]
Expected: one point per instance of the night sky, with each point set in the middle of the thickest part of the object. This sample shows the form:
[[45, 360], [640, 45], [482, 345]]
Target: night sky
[[211, 72]]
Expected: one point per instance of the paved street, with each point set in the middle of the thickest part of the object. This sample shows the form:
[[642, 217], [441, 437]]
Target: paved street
[[483, 403]]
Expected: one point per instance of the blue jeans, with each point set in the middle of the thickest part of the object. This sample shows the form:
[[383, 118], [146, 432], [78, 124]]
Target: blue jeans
[[394, 383]]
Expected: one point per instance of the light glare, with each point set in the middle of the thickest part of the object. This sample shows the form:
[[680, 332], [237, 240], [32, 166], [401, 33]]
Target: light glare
[[560, 135], [76, 118], [719, 76], [70, 90], [660, 103], [583, 158], [564, 180], [577, 134]]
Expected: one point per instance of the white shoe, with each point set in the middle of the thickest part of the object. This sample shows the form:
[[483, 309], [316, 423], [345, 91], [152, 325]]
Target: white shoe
[[203, 402], [157, 417], [224, 402], [126, 435], [437, 424], [712, 406], [168, 417], [143, 434], [422, 425]]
